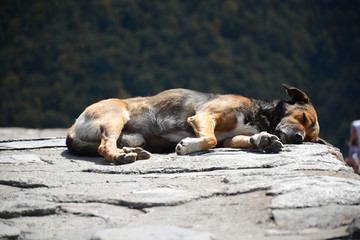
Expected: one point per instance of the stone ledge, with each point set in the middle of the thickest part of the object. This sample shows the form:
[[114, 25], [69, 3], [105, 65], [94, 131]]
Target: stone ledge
[[305, 191]]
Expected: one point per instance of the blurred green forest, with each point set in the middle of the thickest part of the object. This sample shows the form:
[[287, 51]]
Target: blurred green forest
[[57, 57]]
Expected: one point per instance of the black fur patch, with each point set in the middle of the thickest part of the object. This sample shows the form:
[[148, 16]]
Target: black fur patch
[[267, 114]]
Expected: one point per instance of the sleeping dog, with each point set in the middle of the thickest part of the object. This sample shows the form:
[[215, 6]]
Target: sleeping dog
[[187, 121]]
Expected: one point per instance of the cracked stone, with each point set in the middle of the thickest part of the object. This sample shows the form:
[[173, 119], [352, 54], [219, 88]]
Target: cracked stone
[[31, 180], [151, 233], [161, 190], [21, 184], [58, 227], [20, 159], [354, 228], [34, 143], [29, 133], [8, 232], [224, 192], [17, 208], [108, 212], [305, 192], [326, 217], [290, 159]]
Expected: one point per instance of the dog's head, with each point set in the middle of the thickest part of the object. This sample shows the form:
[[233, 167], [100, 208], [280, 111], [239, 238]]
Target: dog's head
[[300, 122]]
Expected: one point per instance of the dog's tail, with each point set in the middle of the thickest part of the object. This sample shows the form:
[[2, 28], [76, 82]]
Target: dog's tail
[[80, 147]]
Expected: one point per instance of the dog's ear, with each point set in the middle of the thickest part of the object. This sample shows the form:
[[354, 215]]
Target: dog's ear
[[296, 94], [322, 141]]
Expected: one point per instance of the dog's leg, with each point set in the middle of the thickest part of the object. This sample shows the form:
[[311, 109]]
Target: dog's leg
[[263, 141], [110, 132], [239, 141], [203, 126], [141, 154]]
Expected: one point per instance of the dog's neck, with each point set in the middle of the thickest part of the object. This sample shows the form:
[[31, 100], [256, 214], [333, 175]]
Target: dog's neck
[[269, 114]]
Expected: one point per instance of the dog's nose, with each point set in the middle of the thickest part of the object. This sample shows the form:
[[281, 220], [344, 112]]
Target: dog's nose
[[293, 138], [298, 138]]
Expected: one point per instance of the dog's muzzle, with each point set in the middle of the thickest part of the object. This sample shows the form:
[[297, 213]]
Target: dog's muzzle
[[290, 137]]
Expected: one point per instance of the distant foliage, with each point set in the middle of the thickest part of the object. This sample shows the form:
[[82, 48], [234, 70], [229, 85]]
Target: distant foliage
[[57, 57]]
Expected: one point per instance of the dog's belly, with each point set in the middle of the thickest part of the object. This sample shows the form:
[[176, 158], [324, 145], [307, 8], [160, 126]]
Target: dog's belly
[[166, 142], [177, 136], [156, 132], [153, 143]]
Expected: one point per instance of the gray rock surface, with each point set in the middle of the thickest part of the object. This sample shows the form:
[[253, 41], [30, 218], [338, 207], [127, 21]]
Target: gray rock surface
[[8, 232], [33, 144], [150, 233], [304, 192], [28, 133], [354, 228]]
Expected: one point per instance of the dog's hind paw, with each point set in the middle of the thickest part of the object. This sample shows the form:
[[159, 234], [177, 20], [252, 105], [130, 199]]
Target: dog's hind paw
[[141, 154], [188, 145], [130, 155], [125, 158], [267, 142]]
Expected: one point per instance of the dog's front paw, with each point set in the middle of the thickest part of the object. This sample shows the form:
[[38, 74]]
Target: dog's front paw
[[267, 142], [188, 145]]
